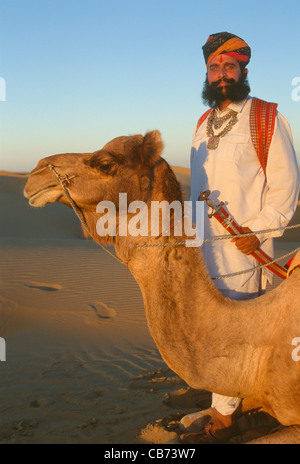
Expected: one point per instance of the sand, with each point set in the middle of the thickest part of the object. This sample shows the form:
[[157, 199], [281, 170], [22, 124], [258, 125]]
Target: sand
[[81, 366]]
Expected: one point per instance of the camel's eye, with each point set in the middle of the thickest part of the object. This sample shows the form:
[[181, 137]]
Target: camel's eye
[[105, 168], [103, 162]]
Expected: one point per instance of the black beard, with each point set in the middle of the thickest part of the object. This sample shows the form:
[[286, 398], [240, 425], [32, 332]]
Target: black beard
[[235, 91]]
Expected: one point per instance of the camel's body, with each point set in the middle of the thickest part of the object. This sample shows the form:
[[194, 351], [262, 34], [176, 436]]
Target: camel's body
[[232, 348]]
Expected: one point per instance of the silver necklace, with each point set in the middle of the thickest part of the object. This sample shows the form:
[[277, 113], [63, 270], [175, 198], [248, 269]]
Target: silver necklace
[[213, 120], [219, 121]]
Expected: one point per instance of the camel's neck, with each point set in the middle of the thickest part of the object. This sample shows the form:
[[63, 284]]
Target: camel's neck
[[181, 302], [188, 318]]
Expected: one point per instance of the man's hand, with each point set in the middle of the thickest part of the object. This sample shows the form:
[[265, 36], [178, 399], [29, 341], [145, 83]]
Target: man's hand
[[246, 245]]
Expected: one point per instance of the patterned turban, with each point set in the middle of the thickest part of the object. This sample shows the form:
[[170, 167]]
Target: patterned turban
[[225, 43]]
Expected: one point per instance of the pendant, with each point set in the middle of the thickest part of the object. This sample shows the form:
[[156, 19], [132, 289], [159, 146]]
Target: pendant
[[213, 142], [218, 124]]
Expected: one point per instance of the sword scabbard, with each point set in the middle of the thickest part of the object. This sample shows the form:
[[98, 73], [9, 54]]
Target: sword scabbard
[[223, 217]]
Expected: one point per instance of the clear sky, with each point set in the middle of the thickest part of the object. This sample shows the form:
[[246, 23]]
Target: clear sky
[[81, 72]]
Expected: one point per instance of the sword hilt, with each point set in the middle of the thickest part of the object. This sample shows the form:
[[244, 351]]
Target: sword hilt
[[216, 209]]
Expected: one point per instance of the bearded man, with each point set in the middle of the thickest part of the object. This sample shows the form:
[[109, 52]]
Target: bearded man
[[260, 189]]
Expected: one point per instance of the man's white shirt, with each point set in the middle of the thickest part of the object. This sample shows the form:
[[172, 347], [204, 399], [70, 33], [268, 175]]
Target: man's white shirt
[[233, 174]]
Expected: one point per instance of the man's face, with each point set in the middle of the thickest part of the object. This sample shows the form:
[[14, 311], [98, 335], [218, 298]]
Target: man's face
[[225, 81], [222, 71]]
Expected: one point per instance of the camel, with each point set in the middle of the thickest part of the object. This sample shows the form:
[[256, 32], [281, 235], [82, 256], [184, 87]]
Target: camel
[[234, 348]]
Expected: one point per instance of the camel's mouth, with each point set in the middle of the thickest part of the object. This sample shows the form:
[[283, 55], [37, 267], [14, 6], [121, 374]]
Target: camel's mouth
[[48, 193]]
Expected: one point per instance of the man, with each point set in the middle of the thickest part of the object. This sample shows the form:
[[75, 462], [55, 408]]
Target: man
[[224, 160]]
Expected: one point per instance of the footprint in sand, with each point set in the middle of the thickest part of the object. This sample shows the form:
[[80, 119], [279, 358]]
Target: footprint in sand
[[103, 311], [68, 367], [42, 286], [42, 402]]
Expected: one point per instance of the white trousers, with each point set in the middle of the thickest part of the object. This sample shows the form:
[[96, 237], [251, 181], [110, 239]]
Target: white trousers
[[227, 405]]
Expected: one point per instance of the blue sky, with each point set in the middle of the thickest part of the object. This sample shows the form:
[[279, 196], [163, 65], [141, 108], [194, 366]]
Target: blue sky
[[81, 72]]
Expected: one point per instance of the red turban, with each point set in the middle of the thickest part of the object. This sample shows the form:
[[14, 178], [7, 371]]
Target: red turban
[[225, 43]]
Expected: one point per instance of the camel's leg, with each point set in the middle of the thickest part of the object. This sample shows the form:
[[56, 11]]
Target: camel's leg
[[196, 420], [286, 436]]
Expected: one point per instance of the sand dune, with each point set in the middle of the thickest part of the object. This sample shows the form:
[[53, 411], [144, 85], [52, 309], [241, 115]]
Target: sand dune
[[81, 365]]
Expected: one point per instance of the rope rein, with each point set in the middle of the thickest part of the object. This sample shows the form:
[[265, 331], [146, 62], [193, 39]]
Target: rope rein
[[223, 237], [65, 178], [257, 267]]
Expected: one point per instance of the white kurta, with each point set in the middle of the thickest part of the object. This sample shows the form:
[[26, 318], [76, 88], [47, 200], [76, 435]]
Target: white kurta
[[234, 175]]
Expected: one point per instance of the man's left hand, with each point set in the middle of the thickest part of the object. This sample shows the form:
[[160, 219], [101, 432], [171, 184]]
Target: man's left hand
[[246, 245]]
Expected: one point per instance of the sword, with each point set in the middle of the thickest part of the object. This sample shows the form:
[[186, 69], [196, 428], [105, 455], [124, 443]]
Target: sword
[[222, 215]]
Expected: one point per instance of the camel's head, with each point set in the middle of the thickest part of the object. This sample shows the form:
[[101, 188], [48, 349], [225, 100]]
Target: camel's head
[[126, 164]]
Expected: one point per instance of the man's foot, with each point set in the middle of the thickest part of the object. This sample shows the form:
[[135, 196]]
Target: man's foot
[[210, 429], [220, 422]]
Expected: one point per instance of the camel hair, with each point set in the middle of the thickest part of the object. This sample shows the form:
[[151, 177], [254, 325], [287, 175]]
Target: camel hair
[[234, 348]]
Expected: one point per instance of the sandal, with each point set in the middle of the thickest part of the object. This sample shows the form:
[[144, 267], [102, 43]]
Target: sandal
[[206, 437]]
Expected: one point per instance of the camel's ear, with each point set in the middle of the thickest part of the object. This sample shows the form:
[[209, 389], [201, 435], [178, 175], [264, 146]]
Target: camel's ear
[[152, 147]]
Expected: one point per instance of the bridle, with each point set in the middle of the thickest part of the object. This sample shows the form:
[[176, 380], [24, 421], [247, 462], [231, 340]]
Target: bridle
[[62, 178], [65, 178]]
